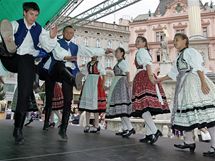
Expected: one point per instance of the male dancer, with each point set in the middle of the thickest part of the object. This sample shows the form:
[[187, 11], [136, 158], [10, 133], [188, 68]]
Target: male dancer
[[19, 44], [62, 66]]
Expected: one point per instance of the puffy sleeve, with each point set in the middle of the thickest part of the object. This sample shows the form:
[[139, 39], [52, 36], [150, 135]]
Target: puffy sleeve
[[84, 70], [59, 53], [89, 51], [47, 43], [123, 65], [143, 57], [194, 59], [173, 72], [101, 69]]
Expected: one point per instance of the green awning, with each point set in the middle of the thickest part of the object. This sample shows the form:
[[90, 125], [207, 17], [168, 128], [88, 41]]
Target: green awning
[[12, 9]]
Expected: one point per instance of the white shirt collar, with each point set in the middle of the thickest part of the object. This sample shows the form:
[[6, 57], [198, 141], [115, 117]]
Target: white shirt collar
[[28, 27], [68, 41]]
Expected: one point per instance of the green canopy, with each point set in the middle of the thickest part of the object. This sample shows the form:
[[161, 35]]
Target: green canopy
[[12, 9]]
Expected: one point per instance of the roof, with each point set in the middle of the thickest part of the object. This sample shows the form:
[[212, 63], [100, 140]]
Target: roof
[[12, 9], [142, 17]]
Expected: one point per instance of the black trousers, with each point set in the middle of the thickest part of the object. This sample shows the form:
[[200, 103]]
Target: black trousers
[[24, 66], [59, 73]]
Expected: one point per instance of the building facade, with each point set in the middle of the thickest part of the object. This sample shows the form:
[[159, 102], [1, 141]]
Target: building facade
[[171, 17]]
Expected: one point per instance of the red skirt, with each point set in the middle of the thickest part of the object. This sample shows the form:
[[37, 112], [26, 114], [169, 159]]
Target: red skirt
[[57, 100], [144, 96], [101, 96]]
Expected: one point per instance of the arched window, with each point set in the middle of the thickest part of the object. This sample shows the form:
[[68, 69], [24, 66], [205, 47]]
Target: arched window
[[109, 44], [98, 43], [85, 42]]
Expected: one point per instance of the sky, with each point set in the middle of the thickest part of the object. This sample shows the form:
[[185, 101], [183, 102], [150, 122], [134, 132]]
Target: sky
[[132, 11]]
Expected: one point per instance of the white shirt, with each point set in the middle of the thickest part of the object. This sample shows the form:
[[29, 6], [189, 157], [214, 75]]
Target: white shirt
[[143, 58], [193, 58], [123, 65], [59, 53], [27, 46]]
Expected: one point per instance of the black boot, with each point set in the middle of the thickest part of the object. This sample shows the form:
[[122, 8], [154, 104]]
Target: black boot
[[30, 121], [129, 133], [147, 139], [192, 147], [210, 153], [156, 136], [64, 124], [17, 134], [47, 117], [62, 133], [95, 130]]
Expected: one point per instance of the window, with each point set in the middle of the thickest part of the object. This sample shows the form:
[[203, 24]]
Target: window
[[158, 57], [180, 31], [98, 43], [205, 31], [109, 44], [159, 36], [85, 42], [108, 62]]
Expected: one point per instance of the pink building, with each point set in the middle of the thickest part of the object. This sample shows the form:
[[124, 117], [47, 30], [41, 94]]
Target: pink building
[[170, 17]]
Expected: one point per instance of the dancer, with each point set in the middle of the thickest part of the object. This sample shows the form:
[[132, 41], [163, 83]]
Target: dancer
[[62, 67], [93, 98], [194, 101], [148, 98], [18, 56], [119, 96]]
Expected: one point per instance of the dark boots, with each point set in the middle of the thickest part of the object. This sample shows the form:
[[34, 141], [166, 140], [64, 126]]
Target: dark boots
[[64, 124], [17, 132], [47, 117]]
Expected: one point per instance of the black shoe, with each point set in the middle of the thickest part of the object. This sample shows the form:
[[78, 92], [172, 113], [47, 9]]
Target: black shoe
[[46, 126], [121, 132], [52, 124], [192, 147], [95, 130], [30, 121], [62, 134], [156, 136], [87, 129], [147, 139], [209, 153], [18, 136], [126, 135]]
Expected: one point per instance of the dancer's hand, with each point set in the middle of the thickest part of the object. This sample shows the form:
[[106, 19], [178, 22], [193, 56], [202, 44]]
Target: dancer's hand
[[108, 51], [70, 58], [53, 31], [152, 79], [205, 88]]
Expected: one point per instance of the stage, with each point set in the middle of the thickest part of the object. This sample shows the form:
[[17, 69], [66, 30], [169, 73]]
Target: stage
[[45, 146]]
